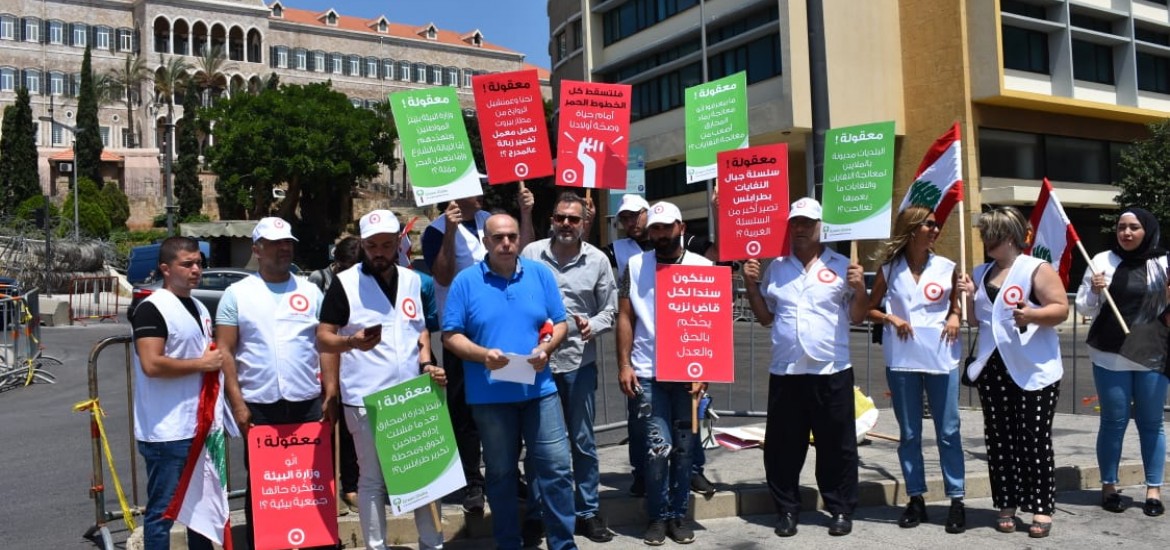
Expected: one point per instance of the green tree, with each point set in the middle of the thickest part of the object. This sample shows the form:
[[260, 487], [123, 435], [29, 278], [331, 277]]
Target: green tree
[[1145, 169], [188, 189], [211, 69], [88, 135], [18, 154], [127, 81], [309, 138], [116, 205], [27, 209], [95, 222]]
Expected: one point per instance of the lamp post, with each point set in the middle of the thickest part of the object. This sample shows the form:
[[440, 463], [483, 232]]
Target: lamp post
[[169, 136], [73, 172]]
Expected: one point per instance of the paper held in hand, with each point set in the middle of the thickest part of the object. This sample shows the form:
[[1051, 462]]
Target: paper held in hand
[[517, 370]]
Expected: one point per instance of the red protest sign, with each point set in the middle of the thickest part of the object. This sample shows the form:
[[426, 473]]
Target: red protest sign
[[753, 202], [593, 135], [290, 474], [512, 127], [692, 324]]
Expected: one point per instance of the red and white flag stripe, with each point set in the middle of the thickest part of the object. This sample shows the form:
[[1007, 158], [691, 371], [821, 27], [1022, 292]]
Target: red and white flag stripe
[[938, 183], [1053, 234]]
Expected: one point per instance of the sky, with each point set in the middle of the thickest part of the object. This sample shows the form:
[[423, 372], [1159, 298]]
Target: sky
[[520, 25]]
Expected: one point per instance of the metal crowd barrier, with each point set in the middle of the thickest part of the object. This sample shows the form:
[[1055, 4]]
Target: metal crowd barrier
[[93, 298], [22, 359]]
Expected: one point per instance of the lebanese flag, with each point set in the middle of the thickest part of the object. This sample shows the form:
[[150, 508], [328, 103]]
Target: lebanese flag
[[938, 184], [1053, 235], [200, 501]]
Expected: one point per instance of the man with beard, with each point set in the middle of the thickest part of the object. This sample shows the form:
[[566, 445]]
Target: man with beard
[[590, 296], [663, 423], [813, 295], [366, 300], [267, 328], [492, 319]]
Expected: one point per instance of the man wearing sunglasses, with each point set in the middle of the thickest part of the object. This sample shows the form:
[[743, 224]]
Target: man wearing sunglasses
[[590, 295]]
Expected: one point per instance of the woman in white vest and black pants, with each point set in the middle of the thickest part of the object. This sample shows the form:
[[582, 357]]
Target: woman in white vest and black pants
[[921, 347], [1017, 301]]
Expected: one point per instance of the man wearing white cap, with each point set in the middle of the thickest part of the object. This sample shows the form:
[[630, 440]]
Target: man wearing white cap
[[266, 326], [664, 408], [373, 296], [810, 298]]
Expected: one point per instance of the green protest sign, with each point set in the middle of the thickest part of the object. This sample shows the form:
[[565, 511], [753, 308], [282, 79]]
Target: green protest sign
[[415, 443], [859, 182], [716, 120], [434, 142]]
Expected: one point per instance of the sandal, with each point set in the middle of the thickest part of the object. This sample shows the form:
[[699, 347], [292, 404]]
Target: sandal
[[1006, 524], [1040, 529], [1112, 502], [1153, 507]]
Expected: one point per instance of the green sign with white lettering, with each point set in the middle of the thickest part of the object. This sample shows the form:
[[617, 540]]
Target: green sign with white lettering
[[716, 120], [434, 142], [859, 182]]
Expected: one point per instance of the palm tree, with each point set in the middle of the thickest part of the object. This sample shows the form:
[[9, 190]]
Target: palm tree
[[170, 79], [211, 68], [129, 80]]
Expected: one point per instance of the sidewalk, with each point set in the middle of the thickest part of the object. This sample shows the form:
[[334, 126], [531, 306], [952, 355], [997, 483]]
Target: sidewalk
[[742, 492]]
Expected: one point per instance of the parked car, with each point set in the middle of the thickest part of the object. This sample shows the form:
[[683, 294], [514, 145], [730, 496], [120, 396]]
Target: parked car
[[210, 290]]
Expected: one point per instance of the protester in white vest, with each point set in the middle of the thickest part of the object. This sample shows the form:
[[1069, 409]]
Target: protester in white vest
[[1017, 301], [172, 351], [921, 347], [372, 321], [266, 326], [810, 298]]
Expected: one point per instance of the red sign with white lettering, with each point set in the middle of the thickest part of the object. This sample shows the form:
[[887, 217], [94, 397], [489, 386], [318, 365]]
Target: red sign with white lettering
[[512, 127], [290, 474], [753, 202], [693, 324], [593, 135]]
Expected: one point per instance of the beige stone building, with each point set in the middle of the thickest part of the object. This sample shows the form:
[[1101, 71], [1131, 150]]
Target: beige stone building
[[42, 43], [1041, 88]]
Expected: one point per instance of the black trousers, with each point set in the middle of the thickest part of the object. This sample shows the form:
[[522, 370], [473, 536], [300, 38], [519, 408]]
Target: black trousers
[[348, 456], [466, 433], [822, 405], [280, 412]]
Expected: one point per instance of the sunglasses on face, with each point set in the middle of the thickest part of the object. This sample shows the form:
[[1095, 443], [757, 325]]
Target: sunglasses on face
[[929, 224], [562, 218]]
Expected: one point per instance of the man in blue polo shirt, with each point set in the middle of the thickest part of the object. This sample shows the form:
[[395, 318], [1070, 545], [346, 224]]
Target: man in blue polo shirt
[[494, 309]]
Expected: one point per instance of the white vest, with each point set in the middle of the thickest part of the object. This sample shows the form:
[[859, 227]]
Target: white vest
[[812, 312], [1032, 358], [276, 355], [623, 250], [925, 304], [469, 249], [643, 268], [165, 408], [395, 359]]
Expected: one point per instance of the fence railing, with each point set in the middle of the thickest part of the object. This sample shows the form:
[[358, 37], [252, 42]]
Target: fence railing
[[22, 359], [93, 298]]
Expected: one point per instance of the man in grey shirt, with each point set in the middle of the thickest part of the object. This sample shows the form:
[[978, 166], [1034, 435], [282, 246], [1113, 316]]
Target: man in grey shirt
[[587, 285]]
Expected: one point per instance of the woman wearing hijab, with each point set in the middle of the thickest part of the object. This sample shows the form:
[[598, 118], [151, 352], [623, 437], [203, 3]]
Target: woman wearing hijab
[[1134, 271], [921, 345]]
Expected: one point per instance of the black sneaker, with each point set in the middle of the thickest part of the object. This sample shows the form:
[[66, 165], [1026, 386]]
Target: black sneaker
[[700, 484], [532, 533], [473, 500], [679, 532], [655, 534], [914, 514], [956, 517], [594, 529], [638, 487]]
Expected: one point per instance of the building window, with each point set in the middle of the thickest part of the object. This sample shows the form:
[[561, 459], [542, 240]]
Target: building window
[[1092, 23], [382, 26], [1074, 159], [452, 77], [1004, 154], [277, 11], [56, 32], [372, 68], [388, 69], [404, 71], [420, 73], [1153, 73], [331, 19], [436, 75], [467, 74], [357, 103], [1152, 36], [1092, 62], [282, 57], [760, 58], [58, 136], [7, 27], [56, 84], [32, 30], [355, 66], [337, 63], [302, 59], [103, 38], [32, 81], [578, 38], [319, 61], [636, 15], [80, 35], [105, 131], [562, 42], [7, 79], [1025, 50], [125, 40]]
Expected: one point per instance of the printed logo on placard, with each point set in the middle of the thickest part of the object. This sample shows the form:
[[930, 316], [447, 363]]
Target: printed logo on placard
[[521, 169], [409, 308], [933, 292], [826, 275], [753, 248], [296, 537], [299, 303], [569, 175], [1013, 295], [694, 370]]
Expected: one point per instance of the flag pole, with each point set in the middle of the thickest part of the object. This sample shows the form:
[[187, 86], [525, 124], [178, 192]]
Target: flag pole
[[963, 256], [1105, 291]]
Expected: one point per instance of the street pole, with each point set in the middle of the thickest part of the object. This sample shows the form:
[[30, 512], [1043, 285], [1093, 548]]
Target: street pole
[[170, 130], [706, 78], [76, 196]]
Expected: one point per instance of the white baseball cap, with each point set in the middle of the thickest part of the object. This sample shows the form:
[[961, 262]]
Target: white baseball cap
[[805, 208], [378, 221], [272, 229], [633, 203], [663, 212]]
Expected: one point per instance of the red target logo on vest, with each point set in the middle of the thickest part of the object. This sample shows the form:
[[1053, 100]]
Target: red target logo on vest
[[409, 308], [1013, 295], [826, 275], [933, 292], [299, 303]]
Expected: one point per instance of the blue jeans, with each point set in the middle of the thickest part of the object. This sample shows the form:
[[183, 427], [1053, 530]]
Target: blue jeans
[[542, 425], [577, 391], [637, 445], [942, 392], [667, 440], [1147, 391], [164, 465]]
